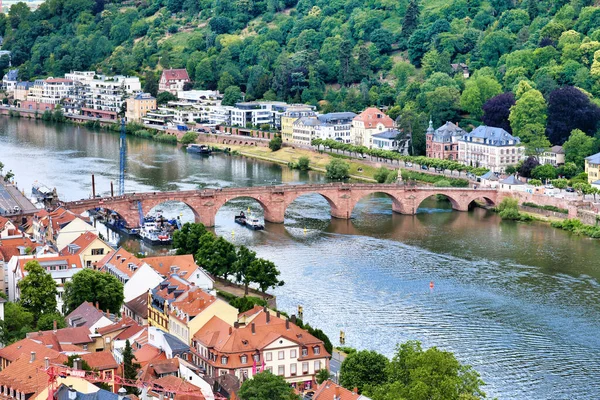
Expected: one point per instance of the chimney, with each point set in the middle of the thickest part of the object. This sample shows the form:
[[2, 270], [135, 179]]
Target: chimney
[[236, 324], [293, 319], [32, 356], [230, 331], [278, 314], [46, 363], [97, 306], [355, 390], [337, 393], [253, 328], [287, 324], [54, 326], [72, 393], [268, 317]]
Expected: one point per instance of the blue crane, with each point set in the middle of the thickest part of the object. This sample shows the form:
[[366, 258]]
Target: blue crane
[[122, 157]]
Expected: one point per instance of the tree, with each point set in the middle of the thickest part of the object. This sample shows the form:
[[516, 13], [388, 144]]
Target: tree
[[337, 169], [578, 147], [544, 172], [568, 170], [411, 19], [322, 375], [130, 367], [534, 137], [432, 374], [535, 182], [275, 143], [528, 165], [381, 174], [94, 286], [8, 176], [232, 95], [303, 163], [16, 324], [46, 321], [264, 273], [265, 385], [38, 290], [560, 183], [187, 239], [217, 256], [189, 137], [477, 92], [151, 83], [165, 97], [529, 109], [241, 266], [568, 109], [363, 368]]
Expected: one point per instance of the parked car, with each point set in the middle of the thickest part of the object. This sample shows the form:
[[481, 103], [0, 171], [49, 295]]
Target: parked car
[[16, 208], [425, 167], [409, 164], [570, 190]]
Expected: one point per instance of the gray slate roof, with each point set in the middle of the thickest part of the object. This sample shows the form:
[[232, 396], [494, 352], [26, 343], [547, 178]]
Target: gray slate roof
[[389, 134], [445, 132], [492, 136], [511, 180], [84, 315], [63, 394], [490, 176], [334, 117], [594, 159], [176, 345], [12, 75]]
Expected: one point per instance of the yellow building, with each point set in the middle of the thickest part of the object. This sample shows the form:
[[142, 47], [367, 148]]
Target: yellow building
[[138, 106], [89, 247], [193, 310], [592, 167], [289, 117]]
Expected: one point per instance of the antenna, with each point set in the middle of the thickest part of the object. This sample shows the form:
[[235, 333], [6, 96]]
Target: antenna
[[122, 157]]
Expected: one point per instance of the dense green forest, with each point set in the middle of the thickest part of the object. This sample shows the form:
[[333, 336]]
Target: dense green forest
[[343, 54]]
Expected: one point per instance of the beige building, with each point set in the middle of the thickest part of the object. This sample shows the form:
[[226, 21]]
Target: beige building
[[173, 80], [554, 156], [491, 148], [304, 130], [368, 123], [89, 247], [138, 106], [592, 168], [292, 114], [72, 231], [22, 90]]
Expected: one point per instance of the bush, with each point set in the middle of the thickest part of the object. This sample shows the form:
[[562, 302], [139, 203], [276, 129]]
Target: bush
[[189, 137], [392, 176], [381, 175], [548, 208], [166, 138], [303, 163], [275, 143], [246, 303], [509, 209], [442, 183], [427, 178], [337, 169], [577, 227]]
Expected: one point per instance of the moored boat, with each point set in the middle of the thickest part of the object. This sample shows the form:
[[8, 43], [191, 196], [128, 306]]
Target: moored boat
[[198, 148], [152, 234]]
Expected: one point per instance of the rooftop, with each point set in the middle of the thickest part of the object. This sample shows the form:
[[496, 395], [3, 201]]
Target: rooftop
[[389, 134], [175, 74], [100, 360], [371, 117], [182, 265], [72, 335], [139, 305], [593, 159], [84, 315], [329, 390], [492, 136], [511, 180], [121, 263]]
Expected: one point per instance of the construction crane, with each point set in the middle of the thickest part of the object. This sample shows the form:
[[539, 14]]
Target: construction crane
[[122, 157], [54, 371]]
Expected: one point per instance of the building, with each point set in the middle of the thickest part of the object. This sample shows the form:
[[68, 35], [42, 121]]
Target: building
[[204, 97], [105, 365], [368, 123], [105, 96], [304, 130], [554, 156], [442, 143], [137, 309], [61, 268], [89, 316], [160, 297], [329, 390], [72, 340], [512, 184], [491, 148], [50, 91], [21, 91], [138, 106], [290, 116], [252, 114], [183, 265], [72, 230], [8, 229], [335, 126], [193, 309], [173, 80], [460, 68], [388, 140], [592, 167], [9, 80], [89, 247], [260, 340], [14, 247]]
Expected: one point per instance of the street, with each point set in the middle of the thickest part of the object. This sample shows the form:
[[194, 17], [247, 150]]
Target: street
[[10, 197]]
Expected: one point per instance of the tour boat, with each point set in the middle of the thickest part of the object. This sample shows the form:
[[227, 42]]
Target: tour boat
[[240, 219], [152, 234], [198, 148], [254, 224]]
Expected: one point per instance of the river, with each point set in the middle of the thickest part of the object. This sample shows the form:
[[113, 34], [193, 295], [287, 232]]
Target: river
[[520, 302]]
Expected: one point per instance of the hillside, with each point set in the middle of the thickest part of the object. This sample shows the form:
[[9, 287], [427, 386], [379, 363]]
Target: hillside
[[350, 53]]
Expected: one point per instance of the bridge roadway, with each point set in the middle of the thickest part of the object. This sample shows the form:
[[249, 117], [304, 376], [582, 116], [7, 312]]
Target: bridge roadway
[[342, 198]]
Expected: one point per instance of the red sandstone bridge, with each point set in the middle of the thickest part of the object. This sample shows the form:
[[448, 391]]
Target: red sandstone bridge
[[275, 199]]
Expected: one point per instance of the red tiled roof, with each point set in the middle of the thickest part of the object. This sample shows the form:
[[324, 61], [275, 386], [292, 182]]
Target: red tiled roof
[[175, 74], [83, 241], [3, 222], [76, 335], [69, 260], [120, 260], [100, 360], [124, 323], [329, 390], [28, 376], [26, 346], [149, 353], [9, 247], [162, 265], [192, 302], [372, 116]]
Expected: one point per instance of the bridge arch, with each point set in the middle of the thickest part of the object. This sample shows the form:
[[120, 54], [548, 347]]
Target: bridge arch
[[172, 208], [398, 205], [334, 208], [270, 213]]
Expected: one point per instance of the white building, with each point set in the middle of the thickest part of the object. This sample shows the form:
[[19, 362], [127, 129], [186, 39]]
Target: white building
[[206, 97], [491, 148], [105, 96], [9, 80], [335, 126], [554, 156], [173, 80], [368, 123], [304, 130], [387, 140], [50, 91]]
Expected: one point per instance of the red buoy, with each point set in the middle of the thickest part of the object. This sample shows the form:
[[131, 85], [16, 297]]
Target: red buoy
[[431, 285]]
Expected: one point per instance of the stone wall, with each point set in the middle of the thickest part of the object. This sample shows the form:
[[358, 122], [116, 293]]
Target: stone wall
[[588, 217], [546, 213], [249, 132]]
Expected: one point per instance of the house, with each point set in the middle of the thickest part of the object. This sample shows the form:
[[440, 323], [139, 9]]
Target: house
[[21, 91], [169, 344], [178, 368], [77, 339], [368, 123], [16, 246], [390, 140], [491, 148], [260, 340], [138, 106], [137, 309], [8, 228], [460, 68], [10, 353], [120, 330], [592, 167], [554, 156], [92, 392], [329, 390], [51, 91], [9, 80], [73, 230], [89, 247], [304, 130], [61, 268], [489, 179], [291, 115], [442, 143], [159, 298], [512, 183], [193, 309], [184, 266], [89, 316], [173, 80], [105, 364], [335, 126]]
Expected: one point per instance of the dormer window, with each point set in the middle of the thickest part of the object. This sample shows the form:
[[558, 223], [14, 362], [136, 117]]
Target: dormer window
[[304, 352], [257, 357], [244, 359], [317, 350], [224, 360]]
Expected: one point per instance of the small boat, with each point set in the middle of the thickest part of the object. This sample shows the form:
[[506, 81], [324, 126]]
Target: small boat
[[240, 219], [254, 224], [152, 234], [198, 148]]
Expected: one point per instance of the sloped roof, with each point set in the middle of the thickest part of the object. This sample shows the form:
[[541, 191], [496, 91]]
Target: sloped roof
[[511, 180], [84, 315], [594, 159], [390, 134], [373, 116], [445, 132], [100, 360], [124, 323], [557, 150], [192, 302], [63, 394], [118, 262], [28, 376], [81, 243], [11, 247], [72, 335], [330, 390], [149, 353], [176, 74], [492, 136], [139, 305], [163, 265], [26, 346]]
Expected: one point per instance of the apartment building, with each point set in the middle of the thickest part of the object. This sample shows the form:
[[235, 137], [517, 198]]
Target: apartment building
[[138, 106], [368, 123], [491, 148]]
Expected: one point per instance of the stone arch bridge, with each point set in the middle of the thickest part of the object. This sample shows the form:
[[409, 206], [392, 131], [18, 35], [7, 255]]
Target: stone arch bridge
[[274, 200]]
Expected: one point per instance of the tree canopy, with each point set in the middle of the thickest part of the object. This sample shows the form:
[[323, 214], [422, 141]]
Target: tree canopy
[[38, 290], [94, 286], [265, 385]]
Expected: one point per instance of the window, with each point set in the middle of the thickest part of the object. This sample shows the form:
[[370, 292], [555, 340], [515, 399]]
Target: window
[[317, 365], [281, 355], [97, 252], [305, 368], [292, 369], [317, 350], [293, 353], [304, 352], [244, 359], [281, 370], [268, 356], [257, 357], [224, 360]]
